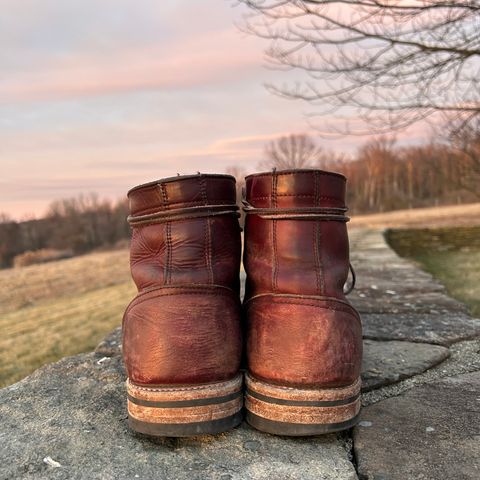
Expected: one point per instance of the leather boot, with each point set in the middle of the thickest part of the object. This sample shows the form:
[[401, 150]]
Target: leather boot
[[304, 344], [181, 333]]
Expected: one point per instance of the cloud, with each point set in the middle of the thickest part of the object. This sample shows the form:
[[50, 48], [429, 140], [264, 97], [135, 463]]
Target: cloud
[[253, 142], [207, 59]]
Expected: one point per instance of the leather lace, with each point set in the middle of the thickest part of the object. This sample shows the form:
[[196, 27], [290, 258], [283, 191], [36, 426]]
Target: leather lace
[[352, 283], [297, 213], [183, 214]]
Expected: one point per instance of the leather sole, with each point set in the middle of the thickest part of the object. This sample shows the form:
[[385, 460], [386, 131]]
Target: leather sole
[[187, 410], [292, 411]]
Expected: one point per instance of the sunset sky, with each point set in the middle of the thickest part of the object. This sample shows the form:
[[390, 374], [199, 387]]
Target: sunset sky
[[97, 96]]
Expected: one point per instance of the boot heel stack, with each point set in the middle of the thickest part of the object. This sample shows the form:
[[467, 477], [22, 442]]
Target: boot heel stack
[[296, 412], [185, 410]]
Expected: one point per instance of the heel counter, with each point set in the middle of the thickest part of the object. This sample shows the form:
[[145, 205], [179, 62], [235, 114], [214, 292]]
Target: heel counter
[[182, 335], [296, 340]]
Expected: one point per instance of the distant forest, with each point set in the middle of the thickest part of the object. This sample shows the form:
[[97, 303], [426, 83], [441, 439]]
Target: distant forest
[[71, 227], [385, 177], [381, 177]]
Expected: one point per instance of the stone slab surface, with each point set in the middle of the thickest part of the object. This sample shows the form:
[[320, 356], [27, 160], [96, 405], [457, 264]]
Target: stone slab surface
[[439, 329], [68, 421], [430, 432], [405, 302], [388, 283], [389, 362]]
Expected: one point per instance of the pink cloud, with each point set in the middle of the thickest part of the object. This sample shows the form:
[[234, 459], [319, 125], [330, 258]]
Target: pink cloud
[[209, 58]]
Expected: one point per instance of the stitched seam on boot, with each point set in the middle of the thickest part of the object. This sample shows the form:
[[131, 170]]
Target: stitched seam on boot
[[340, 305], [166, 271], [170, 388], [207, 233], [304, 172], [218, 290], [273, 204]]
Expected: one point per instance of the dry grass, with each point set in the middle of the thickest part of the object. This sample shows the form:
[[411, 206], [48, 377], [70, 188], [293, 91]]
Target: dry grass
[[24, 287], [61, 308], [66, 307], [44, 255], [452, 215]]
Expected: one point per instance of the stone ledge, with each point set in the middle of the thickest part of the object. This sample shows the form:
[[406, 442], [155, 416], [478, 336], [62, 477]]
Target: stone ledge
[[68, 420], [430, 432]]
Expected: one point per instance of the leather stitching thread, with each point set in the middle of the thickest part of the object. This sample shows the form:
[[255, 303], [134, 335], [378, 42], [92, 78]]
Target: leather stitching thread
[[225, 384], [167, 269], [273, 204], [339, 306], [306, 195], [316, 239], [217, 290], [207, 233], [227, 201], [306, 172]]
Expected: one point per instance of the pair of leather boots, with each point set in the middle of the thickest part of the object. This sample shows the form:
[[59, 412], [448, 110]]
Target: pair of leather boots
[[182, 333]]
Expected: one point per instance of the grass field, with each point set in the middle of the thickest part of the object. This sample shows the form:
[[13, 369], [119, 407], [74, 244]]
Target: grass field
[[444, 216], [60, 308], [66, 307], [452, 255]]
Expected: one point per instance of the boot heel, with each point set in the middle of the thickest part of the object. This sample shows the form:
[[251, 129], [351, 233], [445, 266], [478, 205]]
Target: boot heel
[[170, 411], [296, 412]]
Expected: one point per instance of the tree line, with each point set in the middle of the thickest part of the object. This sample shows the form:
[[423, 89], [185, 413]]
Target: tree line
[[74, 225], [383, 176]]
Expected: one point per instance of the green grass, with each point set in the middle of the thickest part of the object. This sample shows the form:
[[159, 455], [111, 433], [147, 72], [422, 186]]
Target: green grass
[[452, 255]]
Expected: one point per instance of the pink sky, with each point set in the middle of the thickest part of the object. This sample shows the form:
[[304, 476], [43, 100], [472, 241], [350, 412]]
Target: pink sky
[[99, 96]]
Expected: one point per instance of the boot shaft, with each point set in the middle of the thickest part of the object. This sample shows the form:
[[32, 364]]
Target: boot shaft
[[185, 231], [295, 233], [183, 327]]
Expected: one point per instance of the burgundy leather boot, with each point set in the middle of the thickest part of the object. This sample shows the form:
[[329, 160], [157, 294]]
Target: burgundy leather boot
[[304, 343], [181, 333]]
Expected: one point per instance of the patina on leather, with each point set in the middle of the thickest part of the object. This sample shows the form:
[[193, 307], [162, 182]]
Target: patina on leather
[[302, 331], [183, 327], [181, 333]]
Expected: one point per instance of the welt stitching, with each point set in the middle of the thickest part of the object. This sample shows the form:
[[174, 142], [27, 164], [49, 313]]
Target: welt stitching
[[177, 389], [282, 387], [183, 389]]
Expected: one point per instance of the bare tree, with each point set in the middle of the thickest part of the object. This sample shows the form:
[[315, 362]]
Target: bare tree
[[389, 62], [466, 143], [239, 174], [292, 151]]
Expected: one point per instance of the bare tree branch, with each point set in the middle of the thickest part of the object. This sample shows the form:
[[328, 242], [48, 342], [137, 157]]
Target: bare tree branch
[[292, 151], [390, 63]]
